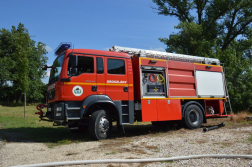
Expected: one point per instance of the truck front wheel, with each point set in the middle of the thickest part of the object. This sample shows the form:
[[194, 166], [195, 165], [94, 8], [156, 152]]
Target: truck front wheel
[[193, 117], [99, 125]]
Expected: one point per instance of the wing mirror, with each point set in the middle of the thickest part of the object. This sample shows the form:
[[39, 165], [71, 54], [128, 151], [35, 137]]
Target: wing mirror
[[44, 67]]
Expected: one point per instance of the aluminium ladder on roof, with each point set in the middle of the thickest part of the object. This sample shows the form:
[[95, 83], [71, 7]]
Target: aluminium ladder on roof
[[165, 55]]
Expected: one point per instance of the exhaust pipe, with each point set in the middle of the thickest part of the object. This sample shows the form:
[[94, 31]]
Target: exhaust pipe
[[213, 127]]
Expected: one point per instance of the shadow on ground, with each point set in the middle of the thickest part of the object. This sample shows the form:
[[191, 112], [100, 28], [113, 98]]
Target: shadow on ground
[[45, 135], [62, 134]]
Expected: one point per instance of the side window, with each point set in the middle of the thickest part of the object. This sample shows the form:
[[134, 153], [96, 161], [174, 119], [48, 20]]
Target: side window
[[116, 66], [99, 65], [85, 65]]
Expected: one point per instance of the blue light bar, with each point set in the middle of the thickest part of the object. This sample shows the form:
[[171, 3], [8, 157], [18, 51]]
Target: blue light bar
[[62, 47]]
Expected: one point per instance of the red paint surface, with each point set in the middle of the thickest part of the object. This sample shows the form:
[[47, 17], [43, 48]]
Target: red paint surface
[[182, 85], [159, 63], [149, 111], [180, 65], [87, 89], [170, 111], [204, 68], [130, 79], [182, 92], [161, 110], [181, 79], [180, 72], [221, 106]]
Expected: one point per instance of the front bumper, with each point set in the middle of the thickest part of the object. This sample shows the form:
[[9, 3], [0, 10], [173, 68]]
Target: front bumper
[[55, 111], [62, 111]]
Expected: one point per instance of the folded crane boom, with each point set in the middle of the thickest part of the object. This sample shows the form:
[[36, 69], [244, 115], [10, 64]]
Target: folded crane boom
[[165, 55]]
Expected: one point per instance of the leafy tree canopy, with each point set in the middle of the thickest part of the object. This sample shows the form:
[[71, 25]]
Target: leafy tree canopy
[[21, 60], [219, 29]]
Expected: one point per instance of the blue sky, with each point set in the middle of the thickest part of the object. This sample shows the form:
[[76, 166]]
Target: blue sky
[[97, 24]]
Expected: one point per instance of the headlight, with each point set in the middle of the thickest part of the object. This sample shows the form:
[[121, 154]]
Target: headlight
[[58, 114], [59, 109]]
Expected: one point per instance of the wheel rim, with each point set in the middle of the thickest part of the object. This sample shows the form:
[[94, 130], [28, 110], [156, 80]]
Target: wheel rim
[[194, 117], [104, 125]]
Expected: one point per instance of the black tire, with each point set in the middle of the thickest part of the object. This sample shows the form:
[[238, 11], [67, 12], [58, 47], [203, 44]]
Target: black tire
[[193, 117], [99, 125]]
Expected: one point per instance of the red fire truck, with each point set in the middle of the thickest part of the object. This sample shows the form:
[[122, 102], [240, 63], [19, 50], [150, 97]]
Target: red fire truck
[[90, 89]]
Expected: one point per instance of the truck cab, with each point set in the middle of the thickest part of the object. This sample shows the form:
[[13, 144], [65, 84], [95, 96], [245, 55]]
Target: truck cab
[[83, 81]]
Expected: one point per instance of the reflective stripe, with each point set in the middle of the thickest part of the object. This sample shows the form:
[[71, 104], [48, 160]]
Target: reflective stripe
[[208, 65], [149, 58], [178, 98], [93, 83]]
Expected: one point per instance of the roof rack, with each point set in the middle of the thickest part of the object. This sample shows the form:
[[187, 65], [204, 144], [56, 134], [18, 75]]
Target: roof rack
[[165, 55]]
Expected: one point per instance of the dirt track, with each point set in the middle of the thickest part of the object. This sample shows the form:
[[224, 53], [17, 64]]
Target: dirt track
[[231, 139]]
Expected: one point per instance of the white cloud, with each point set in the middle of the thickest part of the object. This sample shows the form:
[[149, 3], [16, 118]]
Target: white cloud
[[49, 49], [158, 49]]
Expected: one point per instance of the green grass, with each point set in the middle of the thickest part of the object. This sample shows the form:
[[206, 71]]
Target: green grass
[[110, 153], [245, 122], [13, 127]]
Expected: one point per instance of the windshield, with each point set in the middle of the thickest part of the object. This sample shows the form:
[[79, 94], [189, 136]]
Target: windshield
[[56, 69]]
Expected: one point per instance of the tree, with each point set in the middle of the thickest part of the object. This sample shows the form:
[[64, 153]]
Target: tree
[[21, 60], [219, 29], [21, 53]]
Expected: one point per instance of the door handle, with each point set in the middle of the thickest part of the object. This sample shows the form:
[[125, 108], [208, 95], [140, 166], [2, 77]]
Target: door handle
[[94, 88], [126, 89]]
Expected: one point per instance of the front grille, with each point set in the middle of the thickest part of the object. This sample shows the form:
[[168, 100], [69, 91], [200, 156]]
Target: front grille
[[73, 113]]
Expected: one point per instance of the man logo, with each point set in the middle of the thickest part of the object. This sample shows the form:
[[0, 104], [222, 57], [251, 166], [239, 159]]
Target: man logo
[[77, 91]]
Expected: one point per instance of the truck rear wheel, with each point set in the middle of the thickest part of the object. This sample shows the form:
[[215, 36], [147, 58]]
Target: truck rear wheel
[[99, 125], [193, 117]]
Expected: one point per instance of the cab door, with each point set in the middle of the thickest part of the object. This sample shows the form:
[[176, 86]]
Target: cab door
[[116, 74], [83, 83]]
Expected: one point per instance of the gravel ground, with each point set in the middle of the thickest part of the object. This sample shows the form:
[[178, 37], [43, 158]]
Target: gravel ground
[[183, 142]]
